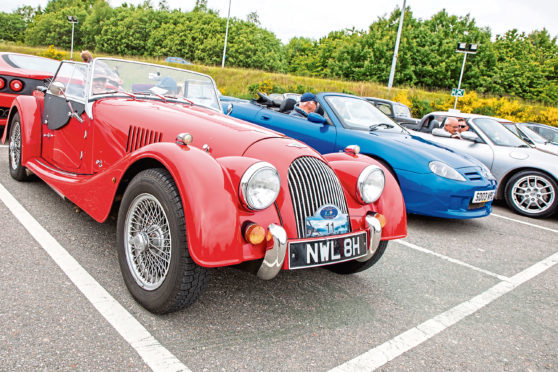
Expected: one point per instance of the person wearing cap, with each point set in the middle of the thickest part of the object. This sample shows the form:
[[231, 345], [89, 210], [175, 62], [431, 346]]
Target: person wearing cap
[[307, 105]]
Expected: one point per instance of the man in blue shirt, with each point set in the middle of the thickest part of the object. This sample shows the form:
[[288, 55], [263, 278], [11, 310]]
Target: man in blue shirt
[[307, 105]]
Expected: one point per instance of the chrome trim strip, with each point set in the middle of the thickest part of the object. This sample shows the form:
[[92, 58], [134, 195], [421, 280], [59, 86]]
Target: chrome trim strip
[[375, 235], [274, 257]]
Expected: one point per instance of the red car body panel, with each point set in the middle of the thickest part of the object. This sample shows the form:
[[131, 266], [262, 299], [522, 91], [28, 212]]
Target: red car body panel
[[91, 169]]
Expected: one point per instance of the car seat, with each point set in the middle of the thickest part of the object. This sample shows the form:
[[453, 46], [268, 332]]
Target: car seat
[[287, 105]]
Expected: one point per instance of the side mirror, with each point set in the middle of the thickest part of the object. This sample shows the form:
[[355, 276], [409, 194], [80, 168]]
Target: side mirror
[[470, 136], [229, 108], [57, 88], [316, 118]]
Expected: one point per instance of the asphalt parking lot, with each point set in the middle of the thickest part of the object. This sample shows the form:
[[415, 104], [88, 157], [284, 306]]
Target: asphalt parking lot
[[454, 295]]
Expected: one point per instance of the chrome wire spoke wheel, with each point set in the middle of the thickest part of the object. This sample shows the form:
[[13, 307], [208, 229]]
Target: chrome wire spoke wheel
[[15, 145], [147, 242], [533, 194]]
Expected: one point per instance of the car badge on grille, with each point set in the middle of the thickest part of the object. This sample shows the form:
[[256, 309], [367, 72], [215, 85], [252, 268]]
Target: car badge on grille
[[297, 145], [329, 212]]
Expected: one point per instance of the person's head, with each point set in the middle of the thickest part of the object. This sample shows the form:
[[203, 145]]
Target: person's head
[[86, 56], [308, 102], [463, 126], [451, 125]]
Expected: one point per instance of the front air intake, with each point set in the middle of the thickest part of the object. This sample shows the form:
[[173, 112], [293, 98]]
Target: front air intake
[[313, 184], [139, 137]]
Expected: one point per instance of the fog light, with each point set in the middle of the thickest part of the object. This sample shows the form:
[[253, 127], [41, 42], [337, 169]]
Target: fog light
[[254, 234], [381, 218]]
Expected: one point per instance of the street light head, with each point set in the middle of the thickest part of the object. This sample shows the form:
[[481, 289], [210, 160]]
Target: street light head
[[72, 19], [473, 47], [462, 46]]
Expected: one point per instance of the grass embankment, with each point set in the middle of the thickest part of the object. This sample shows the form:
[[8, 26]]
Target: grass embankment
[[242, 83]]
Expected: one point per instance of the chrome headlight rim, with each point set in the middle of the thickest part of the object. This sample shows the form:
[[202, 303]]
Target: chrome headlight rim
[[437, 167], [248, 177], [362, 195]]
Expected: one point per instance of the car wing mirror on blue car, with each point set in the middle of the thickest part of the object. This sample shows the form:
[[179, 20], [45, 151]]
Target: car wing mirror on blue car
[[229, 108], [316, 118]]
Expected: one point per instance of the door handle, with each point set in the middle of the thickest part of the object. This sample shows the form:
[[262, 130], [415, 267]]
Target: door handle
[[266, 117]]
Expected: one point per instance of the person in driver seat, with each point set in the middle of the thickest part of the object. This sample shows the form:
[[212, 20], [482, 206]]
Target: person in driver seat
[[166, 87], [308, 104]]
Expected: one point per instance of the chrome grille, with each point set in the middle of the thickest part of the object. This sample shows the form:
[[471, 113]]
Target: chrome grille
[[313, 184]]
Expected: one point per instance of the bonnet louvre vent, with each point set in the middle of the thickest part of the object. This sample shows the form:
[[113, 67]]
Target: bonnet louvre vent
[[139, 137]]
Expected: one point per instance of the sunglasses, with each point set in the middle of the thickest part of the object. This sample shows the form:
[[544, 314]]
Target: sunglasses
[[462, 126]]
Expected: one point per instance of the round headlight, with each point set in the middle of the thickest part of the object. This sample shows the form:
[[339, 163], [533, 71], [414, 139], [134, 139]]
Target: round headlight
[[370, 184], [444, 170], [259, 186]]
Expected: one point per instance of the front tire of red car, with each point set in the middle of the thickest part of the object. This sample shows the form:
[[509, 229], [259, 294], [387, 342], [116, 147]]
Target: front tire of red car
[[17, 171], [354, 266], [152, 246]]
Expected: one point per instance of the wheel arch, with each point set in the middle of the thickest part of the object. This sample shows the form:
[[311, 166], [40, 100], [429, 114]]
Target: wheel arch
[[385, 164], [504, 181], [208, 198]]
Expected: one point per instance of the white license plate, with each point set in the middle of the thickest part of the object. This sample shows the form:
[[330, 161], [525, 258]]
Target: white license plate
[[318, 252], [483, 196]]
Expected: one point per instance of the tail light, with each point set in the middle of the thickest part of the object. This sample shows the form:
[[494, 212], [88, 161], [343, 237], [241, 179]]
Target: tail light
[[2, 83], [16, 85]]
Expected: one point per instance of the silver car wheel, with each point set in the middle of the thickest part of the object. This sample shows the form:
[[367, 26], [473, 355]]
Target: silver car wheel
[[15, 145], [147, 242], [533, 194]]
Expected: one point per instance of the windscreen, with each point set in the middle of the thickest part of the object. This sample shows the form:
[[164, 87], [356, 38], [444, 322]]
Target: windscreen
[[498, 134], [167, 83], [357, 113]]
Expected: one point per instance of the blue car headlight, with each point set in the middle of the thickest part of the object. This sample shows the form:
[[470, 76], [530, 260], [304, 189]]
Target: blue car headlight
[[443, 170], [370, 184]]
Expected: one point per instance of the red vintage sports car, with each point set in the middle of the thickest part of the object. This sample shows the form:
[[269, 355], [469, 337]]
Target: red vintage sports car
[[195, 189], [20, 74]]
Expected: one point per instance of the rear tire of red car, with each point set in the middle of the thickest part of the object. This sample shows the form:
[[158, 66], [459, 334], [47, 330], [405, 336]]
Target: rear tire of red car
[[354, 266], [152, 246], [17, 171], [532, 193]]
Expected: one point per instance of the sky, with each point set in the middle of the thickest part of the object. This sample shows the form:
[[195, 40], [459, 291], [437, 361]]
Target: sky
[[315, 19]]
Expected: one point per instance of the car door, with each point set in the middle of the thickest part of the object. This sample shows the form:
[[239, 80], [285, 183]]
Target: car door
[[321, 137], [64, 125]]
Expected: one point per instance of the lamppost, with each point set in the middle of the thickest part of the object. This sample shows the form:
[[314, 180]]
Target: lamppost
[[395, 51], [465, 49], [226, 36], [73, 20]]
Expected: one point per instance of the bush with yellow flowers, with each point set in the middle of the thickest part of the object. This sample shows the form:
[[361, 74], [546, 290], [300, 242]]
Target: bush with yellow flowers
[[51, 52]]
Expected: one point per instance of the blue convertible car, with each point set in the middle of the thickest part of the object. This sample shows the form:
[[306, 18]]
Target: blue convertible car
[[435, 181]]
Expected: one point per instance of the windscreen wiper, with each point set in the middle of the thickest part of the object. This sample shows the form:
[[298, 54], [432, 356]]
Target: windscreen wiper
[[373, 127]]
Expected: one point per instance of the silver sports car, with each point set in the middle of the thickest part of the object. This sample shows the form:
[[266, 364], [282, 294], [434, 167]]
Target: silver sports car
[[527, 178]]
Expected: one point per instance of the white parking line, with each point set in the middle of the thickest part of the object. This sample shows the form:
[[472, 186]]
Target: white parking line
[[523, 222], [149, 349], [380, 355], [4, 146], [453, 260]]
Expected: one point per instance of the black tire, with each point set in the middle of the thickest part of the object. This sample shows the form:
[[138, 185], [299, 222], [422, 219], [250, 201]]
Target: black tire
[[354, 266], [155, 262], [17, 171], [532, 193]]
